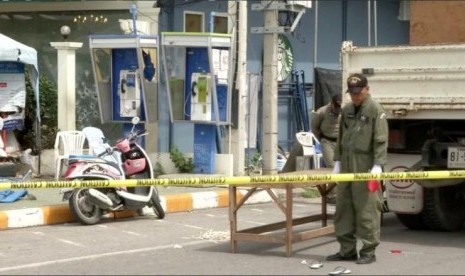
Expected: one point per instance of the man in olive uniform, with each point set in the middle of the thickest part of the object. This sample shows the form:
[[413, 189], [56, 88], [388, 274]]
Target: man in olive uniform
[[325, 123], [361, 148], [325, 126]]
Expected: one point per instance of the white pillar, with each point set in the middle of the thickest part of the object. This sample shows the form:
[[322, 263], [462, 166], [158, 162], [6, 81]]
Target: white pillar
[[270, 93], [66, 65], [238, 142]]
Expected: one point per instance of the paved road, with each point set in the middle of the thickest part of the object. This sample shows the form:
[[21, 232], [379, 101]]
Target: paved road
[[197, 243]]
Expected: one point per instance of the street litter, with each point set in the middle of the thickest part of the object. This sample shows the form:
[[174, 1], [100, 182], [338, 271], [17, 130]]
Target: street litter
[[316, 265], [340, 270], [214, 235]]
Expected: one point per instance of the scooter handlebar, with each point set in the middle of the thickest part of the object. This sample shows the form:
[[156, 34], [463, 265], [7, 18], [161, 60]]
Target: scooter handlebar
[[108, 151], [134, 136], [141, 132]]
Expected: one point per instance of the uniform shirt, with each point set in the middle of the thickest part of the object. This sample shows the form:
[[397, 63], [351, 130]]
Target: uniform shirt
[[364, 132], [325, 122]]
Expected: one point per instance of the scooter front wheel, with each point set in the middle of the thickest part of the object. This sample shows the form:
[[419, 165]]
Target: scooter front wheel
[[83, 209], [156, 205]]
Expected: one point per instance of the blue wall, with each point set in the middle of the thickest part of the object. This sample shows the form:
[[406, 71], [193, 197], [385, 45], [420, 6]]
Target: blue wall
[[330, 35], [330, 29]]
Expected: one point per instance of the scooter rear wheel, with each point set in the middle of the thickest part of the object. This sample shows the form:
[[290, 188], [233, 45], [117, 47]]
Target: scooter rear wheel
[[82, 209], [156, 205]]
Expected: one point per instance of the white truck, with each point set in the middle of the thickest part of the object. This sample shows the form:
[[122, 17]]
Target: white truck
[[422, 89]]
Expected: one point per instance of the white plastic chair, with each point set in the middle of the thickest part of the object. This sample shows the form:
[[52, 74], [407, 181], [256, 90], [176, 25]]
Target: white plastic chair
[[308, 141], [97, 145], [69, 142]]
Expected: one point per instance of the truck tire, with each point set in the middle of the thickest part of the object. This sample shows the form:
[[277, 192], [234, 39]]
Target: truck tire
[[444, 208], [412, 221]]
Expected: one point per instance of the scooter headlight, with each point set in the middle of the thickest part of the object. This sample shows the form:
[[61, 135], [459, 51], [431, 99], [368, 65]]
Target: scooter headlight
[[135, 155]]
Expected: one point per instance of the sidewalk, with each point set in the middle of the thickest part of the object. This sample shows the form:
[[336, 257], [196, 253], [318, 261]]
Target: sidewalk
[[45, 206]]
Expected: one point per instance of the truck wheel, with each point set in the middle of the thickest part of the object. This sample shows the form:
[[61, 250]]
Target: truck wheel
[[412, 221], [444, 208]]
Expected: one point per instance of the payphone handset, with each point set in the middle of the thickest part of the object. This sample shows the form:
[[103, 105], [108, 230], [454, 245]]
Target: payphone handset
[[129, 93], [200, 97]]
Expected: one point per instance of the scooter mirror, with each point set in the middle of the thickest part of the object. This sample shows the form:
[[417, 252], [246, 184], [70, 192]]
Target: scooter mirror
[[135, 120]]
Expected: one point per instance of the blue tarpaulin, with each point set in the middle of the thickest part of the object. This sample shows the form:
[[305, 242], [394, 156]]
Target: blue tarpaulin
[[8, 196]]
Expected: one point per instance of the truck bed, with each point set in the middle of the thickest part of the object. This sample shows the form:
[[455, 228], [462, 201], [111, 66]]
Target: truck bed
[[412, 82]]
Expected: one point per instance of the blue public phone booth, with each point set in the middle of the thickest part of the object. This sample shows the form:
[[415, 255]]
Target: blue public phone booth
[[196, 67], [126, 74]]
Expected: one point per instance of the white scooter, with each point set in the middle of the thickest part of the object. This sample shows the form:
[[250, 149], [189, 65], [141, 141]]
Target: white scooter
[[126, 160]]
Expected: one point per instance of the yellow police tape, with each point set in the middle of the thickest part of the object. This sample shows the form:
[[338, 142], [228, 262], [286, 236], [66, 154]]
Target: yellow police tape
[[236, 180]]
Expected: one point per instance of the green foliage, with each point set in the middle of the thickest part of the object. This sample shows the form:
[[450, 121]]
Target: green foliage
[[48, 114], [254, 164], [256, 159], [182, 163], [311, 192], [159, 170]]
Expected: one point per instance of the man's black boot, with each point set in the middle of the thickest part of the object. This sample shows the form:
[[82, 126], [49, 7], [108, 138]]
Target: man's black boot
[[339, 257], [366, 259]]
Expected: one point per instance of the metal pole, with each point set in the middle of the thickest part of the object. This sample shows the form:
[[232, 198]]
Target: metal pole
[[315, 35], [270, 93], [369, 22], [344, 20], [242, 83], [315, 47], [375, 21]]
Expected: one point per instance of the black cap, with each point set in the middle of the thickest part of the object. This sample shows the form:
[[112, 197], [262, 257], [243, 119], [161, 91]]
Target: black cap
[[356, 82]]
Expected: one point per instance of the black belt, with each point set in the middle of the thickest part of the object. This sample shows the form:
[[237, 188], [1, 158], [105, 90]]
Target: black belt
[[328, 138]]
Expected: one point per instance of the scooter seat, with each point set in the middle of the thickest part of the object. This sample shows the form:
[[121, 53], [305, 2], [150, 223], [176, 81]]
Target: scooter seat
[[81, 156], [91, 158]]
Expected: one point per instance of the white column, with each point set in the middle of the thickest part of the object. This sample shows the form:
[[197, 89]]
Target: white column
[[66, 65], [238, 142], [270, 93]]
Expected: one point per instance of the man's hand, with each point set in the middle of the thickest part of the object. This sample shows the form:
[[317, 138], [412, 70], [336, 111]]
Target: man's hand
[[376, 169], [337, 167]]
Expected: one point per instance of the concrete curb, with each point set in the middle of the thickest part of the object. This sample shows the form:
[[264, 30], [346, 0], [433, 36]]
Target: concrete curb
[[58, 214]]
